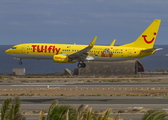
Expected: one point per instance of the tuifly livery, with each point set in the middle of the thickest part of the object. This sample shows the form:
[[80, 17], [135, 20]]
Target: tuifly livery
[[71, 53]]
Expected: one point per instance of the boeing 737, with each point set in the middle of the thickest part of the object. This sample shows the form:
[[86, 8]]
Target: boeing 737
[[71, 53]]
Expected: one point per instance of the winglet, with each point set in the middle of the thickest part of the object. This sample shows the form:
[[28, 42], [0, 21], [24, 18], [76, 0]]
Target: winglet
[[93, 42], [112, 44]]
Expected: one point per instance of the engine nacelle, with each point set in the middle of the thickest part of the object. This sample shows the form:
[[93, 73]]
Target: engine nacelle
[[61, 59]]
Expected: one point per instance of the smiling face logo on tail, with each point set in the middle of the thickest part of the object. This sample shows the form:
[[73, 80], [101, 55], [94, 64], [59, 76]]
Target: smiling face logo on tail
[[148, 42]]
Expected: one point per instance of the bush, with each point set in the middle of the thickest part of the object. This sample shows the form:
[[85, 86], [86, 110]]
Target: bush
[[121, 111]]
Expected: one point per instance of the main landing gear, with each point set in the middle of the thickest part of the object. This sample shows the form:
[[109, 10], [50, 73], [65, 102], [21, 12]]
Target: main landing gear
[[81, 65]]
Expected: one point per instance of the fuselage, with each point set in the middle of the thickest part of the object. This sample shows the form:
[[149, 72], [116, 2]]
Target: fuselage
[[97, 53], [69, 53]]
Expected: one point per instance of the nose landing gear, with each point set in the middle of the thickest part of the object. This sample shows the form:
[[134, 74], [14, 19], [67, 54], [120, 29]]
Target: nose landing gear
[[20, 63]]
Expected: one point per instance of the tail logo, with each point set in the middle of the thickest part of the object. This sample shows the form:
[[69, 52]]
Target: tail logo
[[148, 42]]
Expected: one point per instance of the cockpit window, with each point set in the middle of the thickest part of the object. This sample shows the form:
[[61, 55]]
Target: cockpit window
[[14, 47]]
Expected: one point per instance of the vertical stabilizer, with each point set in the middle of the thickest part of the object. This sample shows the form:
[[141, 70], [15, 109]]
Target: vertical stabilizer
[[147, 38]]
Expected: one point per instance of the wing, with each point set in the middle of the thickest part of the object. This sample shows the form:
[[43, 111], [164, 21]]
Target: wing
[[82, 54], [112, 44]]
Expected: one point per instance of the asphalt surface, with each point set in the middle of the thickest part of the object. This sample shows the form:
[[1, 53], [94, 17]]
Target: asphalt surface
[[93, 100], [124, 116], [98, 103], [81, 85]]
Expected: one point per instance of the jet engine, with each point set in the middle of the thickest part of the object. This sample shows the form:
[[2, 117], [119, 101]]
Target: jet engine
[[61, 59]]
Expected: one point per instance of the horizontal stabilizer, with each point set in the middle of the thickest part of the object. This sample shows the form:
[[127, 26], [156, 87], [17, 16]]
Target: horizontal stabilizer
[[158, 49], [149, 50]]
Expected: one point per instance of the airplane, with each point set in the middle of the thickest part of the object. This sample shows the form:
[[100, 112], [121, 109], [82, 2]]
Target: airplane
[[71, 53]]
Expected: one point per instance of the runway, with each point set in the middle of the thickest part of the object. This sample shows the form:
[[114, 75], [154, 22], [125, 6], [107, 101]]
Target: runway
[[94, 100], [82, 85], [124, 116], [98, 103]]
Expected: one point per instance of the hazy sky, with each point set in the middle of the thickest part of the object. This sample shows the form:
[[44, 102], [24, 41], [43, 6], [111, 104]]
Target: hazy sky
[[78, 21]]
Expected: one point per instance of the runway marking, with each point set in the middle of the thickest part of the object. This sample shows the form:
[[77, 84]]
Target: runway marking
[[94, 85], [52, 83], [37, 85]]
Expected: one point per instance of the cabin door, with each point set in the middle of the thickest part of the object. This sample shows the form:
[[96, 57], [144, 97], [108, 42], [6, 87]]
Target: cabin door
[[23, 48], [129, 52]]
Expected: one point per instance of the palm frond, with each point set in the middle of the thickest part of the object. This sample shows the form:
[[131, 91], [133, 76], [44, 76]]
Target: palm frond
[[100, 117], [53, 105], [78, 110], [5, 107], [82, 112], [17, 103], [106, 114], [19, 117], [89, 114], [118, 116], [161, 115], [67, 117], [41, 115], [10, 112], [63, 110], [151, 114], [59, 112]]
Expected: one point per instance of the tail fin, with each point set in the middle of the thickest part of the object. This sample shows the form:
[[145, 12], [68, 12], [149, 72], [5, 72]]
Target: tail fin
[[147, 38]]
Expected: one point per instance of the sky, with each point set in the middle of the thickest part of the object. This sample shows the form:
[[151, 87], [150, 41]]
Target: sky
[[79, 21]]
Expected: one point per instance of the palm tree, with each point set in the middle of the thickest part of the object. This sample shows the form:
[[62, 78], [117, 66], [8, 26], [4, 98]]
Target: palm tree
[[155, 114], [57, 112], [66, 112], [11, 109]]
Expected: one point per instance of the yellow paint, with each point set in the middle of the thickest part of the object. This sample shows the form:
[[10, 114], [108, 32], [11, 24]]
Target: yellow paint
[[112, 44], [131, 50]]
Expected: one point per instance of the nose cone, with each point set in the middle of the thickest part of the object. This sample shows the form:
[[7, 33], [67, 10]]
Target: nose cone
[[7, 51]]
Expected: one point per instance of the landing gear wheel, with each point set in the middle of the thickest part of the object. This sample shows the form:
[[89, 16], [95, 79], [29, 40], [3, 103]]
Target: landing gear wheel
[[79, 65], [20, 63], [83, 65]]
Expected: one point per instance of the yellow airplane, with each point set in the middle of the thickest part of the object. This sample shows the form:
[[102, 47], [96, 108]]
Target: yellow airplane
[[70, 53]]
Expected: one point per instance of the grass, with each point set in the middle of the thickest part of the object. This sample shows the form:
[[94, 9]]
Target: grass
[[121, 111]]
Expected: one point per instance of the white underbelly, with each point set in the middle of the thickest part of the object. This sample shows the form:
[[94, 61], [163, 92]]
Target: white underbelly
[[30, 56], [108, 59]]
